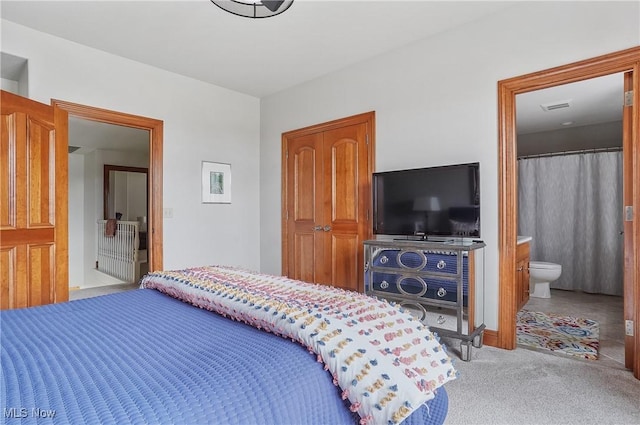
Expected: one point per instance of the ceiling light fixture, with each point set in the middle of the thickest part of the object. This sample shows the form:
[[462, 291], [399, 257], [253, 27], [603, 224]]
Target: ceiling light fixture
[[254, 9]]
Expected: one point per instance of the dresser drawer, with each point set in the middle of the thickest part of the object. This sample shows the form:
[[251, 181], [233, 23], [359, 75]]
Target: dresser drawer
[[414, 286], [437, 317], [418, 261]]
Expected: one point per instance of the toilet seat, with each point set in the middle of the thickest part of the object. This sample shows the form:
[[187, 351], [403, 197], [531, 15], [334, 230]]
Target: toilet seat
[[543, 265]]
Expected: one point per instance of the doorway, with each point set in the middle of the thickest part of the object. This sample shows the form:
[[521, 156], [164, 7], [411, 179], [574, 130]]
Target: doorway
[[569, 146], [154, 189], [93, 149], [627, 61]]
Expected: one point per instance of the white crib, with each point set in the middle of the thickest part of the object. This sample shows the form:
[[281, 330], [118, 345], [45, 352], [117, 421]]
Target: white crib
[[119, 255]]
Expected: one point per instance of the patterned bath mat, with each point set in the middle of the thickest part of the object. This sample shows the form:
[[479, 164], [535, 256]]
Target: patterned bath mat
[[561, 334]]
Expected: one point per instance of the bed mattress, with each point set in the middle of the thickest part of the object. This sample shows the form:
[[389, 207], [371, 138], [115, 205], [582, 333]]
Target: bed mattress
[[143, 357]]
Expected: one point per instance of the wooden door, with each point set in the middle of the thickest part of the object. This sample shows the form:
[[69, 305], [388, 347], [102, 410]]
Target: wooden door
[[326, 201], [630, 267], [33, 209], [346, 221], [305, 212]]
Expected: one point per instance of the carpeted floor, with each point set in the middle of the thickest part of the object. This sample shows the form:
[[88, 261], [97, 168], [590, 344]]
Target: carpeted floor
[[565, 335], [527, 387]]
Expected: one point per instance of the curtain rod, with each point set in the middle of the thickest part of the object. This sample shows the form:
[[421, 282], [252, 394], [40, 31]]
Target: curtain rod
[[576, 152]]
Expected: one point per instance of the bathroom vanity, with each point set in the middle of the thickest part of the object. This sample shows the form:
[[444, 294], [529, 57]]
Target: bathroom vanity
[[439, 283], [522, 285]]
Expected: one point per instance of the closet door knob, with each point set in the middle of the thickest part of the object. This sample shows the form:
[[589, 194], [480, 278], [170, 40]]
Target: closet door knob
[[327, 228], [317, 228]]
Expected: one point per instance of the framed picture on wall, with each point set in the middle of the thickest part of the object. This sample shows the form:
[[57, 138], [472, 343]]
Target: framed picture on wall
[[216, 183]]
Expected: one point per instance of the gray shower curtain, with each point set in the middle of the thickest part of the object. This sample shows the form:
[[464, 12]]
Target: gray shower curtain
[[572, 208]]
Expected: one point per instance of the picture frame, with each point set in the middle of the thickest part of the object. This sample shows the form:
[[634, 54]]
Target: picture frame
[[216, 183]]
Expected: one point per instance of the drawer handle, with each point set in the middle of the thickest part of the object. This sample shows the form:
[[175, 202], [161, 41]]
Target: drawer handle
[[442, 292], [441, 264], [384, 284], [384, 259]]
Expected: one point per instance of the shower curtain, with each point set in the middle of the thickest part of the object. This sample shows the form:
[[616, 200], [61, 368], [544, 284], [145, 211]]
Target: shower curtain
[[572, 208]]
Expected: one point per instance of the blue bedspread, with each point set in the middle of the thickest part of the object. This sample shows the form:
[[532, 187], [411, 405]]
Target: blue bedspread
[[144, 357]]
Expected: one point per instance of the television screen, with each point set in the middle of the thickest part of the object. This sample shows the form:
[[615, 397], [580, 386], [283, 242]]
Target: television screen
[[438, 201]]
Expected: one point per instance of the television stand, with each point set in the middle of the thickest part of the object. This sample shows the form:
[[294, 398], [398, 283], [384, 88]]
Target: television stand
[[439, 283]]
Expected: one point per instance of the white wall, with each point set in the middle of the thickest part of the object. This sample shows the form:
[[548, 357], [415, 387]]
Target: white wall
[[9, 85], [136, 196], [76, 220], [201, 122], [436, 101]]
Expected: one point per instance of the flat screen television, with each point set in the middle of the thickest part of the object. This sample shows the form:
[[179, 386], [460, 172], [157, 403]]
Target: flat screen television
[[436, 201]]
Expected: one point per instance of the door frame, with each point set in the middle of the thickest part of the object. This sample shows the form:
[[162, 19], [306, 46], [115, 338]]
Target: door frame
[[622, 61], [154, 190], [367, 117]]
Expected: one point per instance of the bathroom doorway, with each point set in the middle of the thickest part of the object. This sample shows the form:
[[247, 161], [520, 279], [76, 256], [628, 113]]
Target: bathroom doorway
[[570, 162], [627, 61]]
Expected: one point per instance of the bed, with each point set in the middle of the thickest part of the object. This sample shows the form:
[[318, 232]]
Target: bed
[[168, 353]]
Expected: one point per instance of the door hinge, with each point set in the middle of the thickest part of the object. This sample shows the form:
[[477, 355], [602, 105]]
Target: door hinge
[[287, 215], [367, 215], [366, 137], [628, 327], [628, 213], [628, 98], [286, 154]]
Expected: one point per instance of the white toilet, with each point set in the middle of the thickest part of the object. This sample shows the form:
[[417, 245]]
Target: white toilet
[[541, 274]]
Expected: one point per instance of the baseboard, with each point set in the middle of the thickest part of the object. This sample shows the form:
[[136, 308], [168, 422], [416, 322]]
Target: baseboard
[[490, 338]]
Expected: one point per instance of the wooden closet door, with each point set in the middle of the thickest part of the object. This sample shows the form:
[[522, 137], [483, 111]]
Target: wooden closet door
[[326, 201], [33, 203], [305, 212], [345, 185]]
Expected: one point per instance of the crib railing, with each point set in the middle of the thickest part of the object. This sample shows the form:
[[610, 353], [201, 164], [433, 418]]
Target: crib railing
[[118, 254]]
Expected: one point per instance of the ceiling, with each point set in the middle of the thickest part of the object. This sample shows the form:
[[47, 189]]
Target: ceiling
[[588, 116], [260, 57], [91, 135]]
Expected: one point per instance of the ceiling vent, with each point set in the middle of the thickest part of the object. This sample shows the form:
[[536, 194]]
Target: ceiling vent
[[72, 149], [556, 105]]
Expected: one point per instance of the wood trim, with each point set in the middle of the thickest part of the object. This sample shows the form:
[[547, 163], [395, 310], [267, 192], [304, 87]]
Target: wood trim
[[627, 199], [634, 258], [490, 337], [331, 125], [284, 188], [155, 128], [622, 61], [369, 119], [61, 191]]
